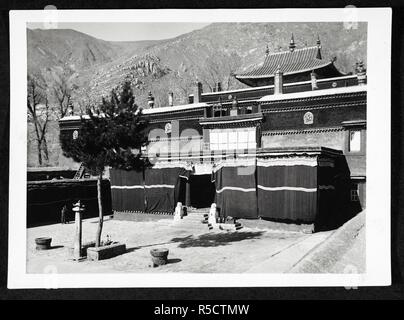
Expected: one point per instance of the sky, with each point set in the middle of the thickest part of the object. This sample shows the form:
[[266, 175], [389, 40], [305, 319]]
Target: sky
[[128, 31]]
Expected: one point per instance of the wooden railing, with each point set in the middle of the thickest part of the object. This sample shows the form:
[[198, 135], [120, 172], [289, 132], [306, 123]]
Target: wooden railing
[[227, 110]]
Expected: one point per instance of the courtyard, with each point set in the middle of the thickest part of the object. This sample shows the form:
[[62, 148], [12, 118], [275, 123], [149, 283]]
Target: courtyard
[[193, 248]]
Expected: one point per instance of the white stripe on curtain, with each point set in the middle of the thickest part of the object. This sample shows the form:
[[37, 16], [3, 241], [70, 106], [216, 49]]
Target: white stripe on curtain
[[127, 187], [160, 186], [236, 189], [148, 186], [287, 188], [304, 161]]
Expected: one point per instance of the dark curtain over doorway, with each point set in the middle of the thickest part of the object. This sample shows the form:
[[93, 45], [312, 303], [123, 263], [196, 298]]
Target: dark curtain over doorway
[[236, 191], [162, 188], [287, 192], [154, 190], [326, 196], [127, 190]]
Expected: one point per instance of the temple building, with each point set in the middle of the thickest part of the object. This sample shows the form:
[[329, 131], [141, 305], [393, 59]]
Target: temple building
[[291, 147], [296, 65]]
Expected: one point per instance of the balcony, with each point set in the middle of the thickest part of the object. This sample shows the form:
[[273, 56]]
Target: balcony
[[233, 114], [233, 109]]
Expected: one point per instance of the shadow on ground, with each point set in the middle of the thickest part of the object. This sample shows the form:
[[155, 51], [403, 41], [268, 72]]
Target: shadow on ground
[[147, 245], [175, 260], [55, 247], [217, 239], [205, 240]]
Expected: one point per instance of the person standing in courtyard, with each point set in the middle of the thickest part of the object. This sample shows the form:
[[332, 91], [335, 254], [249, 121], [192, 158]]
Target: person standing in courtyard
[[63, 215]]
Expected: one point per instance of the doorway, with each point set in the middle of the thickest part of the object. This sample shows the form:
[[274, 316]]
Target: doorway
[[202, 190]]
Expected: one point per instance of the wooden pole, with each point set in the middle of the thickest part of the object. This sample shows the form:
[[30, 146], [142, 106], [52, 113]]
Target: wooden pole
[[187, 194], [77, 239], [100, 216]]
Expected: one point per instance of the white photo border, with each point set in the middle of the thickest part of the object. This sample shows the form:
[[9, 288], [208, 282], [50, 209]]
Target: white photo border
[[378, 260]]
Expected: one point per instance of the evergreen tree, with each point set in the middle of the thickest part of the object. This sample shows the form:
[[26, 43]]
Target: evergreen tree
[[112, 135]]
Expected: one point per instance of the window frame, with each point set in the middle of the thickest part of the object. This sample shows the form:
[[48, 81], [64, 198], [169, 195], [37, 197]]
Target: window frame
[[355, 193], [249, 133], [348, 130]]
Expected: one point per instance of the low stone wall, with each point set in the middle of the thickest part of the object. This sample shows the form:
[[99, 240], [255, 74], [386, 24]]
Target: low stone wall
[[36, 174], [45, 199]]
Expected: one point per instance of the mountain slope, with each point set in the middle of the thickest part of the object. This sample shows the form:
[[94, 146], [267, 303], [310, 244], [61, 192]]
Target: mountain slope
[[211, 54], [73, 49]]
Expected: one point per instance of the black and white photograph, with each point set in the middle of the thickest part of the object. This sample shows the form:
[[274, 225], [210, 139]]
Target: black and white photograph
[[200, 148]]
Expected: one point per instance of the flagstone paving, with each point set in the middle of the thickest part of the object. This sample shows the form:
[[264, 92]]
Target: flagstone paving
[[192, 248]]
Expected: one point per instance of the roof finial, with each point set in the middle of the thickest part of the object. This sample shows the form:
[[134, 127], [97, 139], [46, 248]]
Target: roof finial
[[267, 51], [150, 100], [318, 41], [292, 45]]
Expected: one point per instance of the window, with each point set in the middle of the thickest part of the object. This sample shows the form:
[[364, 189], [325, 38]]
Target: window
[[214, 140], [233, 139], [354, 141], [355, 192], [223, 140]]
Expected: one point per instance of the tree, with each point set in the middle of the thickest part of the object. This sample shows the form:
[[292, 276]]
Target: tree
[[62, 91], [112, 136], [38, 114], [83, 100]]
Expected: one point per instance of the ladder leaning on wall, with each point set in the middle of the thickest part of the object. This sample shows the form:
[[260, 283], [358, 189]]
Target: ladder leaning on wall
[[79, 172]]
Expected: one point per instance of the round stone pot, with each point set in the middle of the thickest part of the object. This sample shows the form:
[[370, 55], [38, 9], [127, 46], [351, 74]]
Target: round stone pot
[[159, 256], [43, 243]]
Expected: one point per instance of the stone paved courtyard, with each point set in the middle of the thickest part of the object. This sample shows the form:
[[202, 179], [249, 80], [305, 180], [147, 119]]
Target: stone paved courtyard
[[192, 248]]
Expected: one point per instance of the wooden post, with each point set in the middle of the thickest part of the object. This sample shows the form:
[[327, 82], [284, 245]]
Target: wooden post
[[187, 194], [78, 209], [100, 212]]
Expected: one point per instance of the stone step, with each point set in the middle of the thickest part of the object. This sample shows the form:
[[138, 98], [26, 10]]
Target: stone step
[[199, 221], [197, 214], [194, 218], [225, 226]]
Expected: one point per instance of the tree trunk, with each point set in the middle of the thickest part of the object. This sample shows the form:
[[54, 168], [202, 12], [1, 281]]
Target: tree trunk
[[39, 152], [45, 149], [100, 216]]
